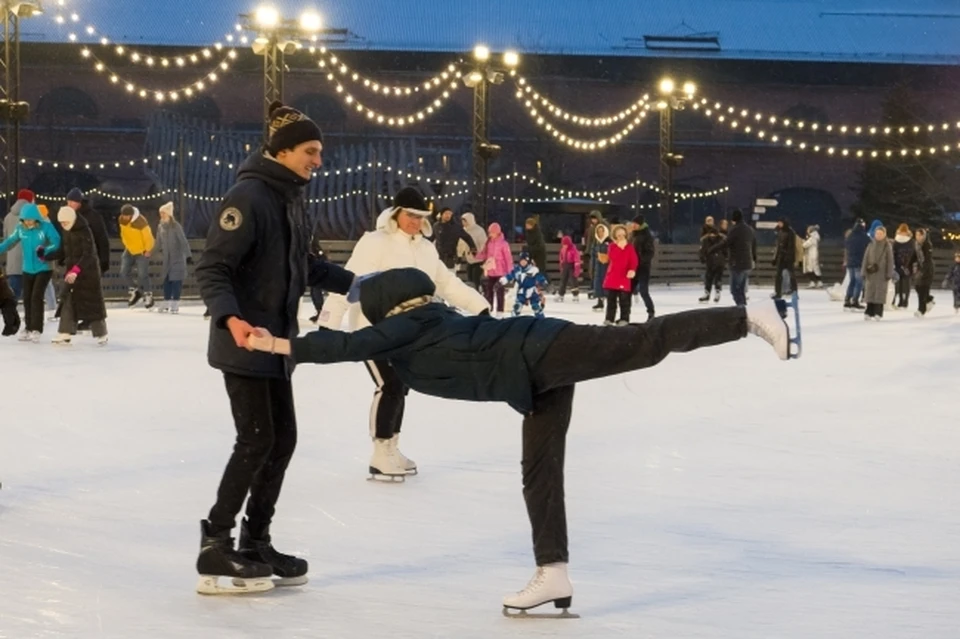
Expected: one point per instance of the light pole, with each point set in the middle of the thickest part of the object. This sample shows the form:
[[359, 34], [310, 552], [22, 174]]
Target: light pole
[[12, 110], [278, 37], [479, 79], [671, 100]]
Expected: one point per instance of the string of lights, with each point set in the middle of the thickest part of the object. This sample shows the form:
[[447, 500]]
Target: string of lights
[[524, 89], [161, 95], [576, 143], [451, 72], [736, 124], [391, 120], [815, 127]]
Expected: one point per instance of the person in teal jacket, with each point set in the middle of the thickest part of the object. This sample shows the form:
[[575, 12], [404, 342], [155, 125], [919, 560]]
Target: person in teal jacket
[[38, 237]]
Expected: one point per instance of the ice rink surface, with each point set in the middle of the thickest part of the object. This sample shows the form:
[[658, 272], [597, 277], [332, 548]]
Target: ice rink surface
[[723, 493]]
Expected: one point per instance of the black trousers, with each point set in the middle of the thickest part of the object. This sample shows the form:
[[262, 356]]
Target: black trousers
[[389, 400], [874, 310], [641, 286], [624, 299], [34, 288], [903, 290], [713, 278], [580, 353], [266, 422], [923, 297], [779, 286], [475, 275], [566, 278]]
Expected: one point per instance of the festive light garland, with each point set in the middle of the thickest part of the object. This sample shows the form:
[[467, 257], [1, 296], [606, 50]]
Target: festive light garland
[[391, 120], [524, 87], [817, 127], [829, 149], [331, 61], [583, 145], [160, 95]]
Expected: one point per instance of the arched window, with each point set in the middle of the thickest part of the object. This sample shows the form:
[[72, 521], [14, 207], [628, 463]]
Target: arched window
[[805, 206], [201, 107], [67, 103]]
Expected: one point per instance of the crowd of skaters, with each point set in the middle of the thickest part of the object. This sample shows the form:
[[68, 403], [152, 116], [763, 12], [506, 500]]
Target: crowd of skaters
[[54, 265]]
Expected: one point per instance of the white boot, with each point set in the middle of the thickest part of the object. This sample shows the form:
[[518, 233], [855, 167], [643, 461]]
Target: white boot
[[103, 340], [164, 307], [549, 584], [764, 320], [175, 307], [62, 339], [385, 464], [408, 464]]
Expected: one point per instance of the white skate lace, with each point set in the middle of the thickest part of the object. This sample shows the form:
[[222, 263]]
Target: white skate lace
[[536, 582]]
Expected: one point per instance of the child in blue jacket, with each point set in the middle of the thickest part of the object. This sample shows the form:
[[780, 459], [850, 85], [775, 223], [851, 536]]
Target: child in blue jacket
[[38, 237], [530, 285]]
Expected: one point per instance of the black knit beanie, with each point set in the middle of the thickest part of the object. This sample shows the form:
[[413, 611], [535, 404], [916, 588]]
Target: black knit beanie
[[410, 198], [289, 128]]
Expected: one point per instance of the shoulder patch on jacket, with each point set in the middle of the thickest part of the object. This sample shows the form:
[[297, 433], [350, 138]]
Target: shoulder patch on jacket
[[231, 219]]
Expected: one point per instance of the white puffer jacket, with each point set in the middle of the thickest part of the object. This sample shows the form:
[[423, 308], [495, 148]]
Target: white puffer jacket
[[389, 247]]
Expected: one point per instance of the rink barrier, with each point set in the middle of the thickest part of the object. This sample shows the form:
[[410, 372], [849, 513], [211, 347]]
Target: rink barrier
[[675, 264]]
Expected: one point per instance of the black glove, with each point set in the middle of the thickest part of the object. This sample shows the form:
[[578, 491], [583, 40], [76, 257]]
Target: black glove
[[484, 313], [190, 260], [40, 251]]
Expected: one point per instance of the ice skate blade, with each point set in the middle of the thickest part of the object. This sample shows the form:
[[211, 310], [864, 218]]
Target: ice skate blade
[[377, 476], [279, 582], [526, 613], [210, 585]]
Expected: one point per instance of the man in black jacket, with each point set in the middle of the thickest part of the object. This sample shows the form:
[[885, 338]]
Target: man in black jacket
[[785, 259], [253, 272], [447, 233], [80, 204], [531, 364], [646, 250], [741, 243]]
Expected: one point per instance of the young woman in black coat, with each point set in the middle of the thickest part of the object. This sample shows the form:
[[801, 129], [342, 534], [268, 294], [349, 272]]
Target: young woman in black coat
[[531, 364], [83, 296]]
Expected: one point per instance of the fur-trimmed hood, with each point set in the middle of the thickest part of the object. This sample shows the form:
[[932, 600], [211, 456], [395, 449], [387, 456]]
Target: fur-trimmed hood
[[387, 222]]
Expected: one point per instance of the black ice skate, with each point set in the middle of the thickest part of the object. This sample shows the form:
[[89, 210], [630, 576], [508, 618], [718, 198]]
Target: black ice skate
[[288, 570], [219, 559], [134, 297], [11, 319]]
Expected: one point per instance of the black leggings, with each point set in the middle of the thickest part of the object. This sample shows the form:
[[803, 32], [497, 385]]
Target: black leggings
[[580, 353], [34, 288], [266, 423]]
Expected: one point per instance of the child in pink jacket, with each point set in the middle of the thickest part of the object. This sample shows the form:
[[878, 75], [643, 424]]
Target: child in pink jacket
[[570, 267], [497, 261]]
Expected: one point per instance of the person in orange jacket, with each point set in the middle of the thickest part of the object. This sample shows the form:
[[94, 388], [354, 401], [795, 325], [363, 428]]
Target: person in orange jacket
[[137, 239]]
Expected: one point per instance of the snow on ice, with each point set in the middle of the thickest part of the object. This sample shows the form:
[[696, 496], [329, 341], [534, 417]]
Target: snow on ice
[[722, 494]]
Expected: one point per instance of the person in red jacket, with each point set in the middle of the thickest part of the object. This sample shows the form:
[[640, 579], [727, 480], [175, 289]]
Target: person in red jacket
[[621, 269]]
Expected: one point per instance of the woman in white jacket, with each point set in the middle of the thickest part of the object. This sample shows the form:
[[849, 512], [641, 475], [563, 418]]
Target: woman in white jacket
[[398, 242], [811, 256]]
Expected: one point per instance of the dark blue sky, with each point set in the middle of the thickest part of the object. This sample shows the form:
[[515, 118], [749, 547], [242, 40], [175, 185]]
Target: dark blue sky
[[920, 31]]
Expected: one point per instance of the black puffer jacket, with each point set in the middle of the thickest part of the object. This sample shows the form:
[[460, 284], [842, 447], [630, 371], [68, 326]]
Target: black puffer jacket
[[446, 235], [785, 254], [644, 245], [536, 247], [709, 238], [434, 349], [256, 265], [741, 244], [99, 230], [925, 276]]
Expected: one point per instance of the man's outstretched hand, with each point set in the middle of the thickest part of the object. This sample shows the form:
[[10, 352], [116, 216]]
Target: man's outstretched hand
[[241, 332]]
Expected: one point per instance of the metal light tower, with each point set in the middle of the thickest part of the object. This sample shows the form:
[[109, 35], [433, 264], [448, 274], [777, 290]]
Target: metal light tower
[[278, 37], [12, 110], [670, 102], [483, 75]]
